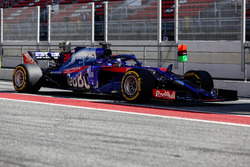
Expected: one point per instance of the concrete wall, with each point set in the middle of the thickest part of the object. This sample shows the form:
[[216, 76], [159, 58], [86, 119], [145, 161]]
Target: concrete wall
[[222, 59]]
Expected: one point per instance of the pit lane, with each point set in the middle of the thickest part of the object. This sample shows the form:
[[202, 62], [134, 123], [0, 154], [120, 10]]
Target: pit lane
[[40, 134], [235, 112], [239, 107]]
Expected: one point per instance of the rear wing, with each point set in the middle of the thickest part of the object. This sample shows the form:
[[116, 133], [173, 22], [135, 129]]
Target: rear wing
[[46, 55], [32, 57]]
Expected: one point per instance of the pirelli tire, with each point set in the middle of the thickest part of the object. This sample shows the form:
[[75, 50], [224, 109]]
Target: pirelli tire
[[200, 78], [27, 78], [137, 85]]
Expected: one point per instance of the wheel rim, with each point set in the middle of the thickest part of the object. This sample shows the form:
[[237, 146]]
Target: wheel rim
[[131, 85], [19, 78]]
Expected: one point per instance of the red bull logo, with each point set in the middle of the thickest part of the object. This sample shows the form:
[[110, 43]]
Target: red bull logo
[[164, 94]]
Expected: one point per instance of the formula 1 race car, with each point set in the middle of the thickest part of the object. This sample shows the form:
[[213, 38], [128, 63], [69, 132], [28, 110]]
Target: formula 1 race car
[[96, 70]]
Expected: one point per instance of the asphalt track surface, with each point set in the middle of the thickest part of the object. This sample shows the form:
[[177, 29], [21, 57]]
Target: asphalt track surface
[[61, 128]]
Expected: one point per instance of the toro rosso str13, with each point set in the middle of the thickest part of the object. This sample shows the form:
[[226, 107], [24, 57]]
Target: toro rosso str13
[[98, 71]]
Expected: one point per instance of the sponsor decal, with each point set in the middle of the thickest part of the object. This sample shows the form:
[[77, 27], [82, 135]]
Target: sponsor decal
[[164, 94], [55, 72], [39, 54], [81, 56], [80, 81], [116, 69], [74, 69], [66, 57], [163, 69], [92, 75], [44, 55], [27, 59]]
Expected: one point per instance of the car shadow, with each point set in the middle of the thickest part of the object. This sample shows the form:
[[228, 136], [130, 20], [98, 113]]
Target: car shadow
[[233, 107], [227, 107]]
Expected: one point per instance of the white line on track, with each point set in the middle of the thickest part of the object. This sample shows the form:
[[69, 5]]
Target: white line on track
[[139, 105], [132, 113]]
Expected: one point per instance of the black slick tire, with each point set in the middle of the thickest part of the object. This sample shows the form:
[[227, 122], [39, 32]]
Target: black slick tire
[[27, 78], [200, 78], [137, 85]]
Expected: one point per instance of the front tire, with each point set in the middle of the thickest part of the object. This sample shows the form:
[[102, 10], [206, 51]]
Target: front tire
[[137, 85], [200, 78], [27, 78]]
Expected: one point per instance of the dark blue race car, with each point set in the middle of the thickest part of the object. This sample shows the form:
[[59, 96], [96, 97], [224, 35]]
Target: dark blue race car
[[96, 70]]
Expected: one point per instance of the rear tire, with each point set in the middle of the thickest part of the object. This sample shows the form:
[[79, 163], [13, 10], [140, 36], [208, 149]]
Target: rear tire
[[27, 78], [137, 85], [200, 78]]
